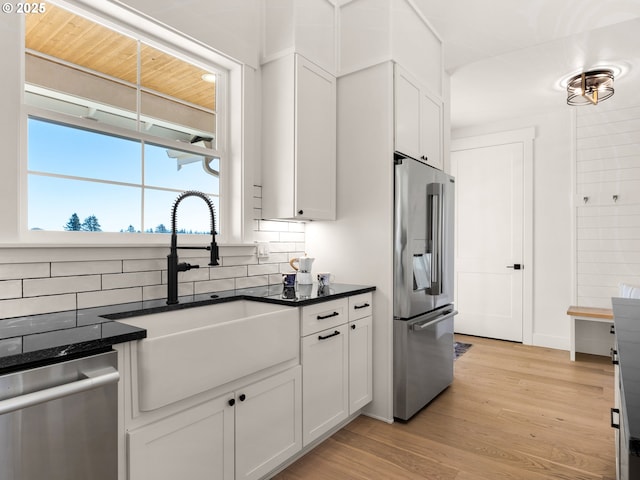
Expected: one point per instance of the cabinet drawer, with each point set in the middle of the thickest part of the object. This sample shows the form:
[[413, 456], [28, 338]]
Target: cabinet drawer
[[360, 306], [324, 315]]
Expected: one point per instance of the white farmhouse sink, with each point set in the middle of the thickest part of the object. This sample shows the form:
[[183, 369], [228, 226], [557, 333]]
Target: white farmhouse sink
[[192, 350]]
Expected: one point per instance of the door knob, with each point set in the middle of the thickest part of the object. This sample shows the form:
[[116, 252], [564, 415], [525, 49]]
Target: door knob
[[515, 266]]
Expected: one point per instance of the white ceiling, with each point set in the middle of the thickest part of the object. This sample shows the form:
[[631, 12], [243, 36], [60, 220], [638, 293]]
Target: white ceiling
[[506, 57]]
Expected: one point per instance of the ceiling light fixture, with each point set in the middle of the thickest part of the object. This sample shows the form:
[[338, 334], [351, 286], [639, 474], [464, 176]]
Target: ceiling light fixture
[[209, 77], [589, 88]]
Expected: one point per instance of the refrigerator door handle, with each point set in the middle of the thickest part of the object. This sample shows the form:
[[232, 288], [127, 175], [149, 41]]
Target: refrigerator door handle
[[434, 235], [418, 327]]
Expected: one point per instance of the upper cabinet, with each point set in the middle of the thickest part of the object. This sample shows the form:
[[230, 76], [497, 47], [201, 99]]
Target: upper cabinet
[[298, 140], [375, 31], [307, 27], [418, 120]]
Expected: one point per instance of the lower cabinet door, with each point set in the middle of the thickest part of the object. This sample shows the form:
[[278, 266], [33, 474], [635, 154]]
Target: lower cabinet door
[[360, 363], [195, 444], [325, 365], [268, 424]]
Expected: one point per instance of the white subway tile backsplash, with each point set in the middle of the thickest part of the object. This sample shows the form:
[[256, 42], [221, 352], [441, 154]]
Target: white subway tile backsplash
[[272, 226], [279, 257], [214, 286], [63, 269], [10, 289], [38, 287], [279, 247], [216, 273], [35, 305], [154, 292], [194, 275], [109, 297], [292, 236], [246, 260], [247, 282], [144, 265], [297, 226], [257, 191], [264, 269], [266, 236], [275, 278], [10, 346], [124, 280], [16, 271]]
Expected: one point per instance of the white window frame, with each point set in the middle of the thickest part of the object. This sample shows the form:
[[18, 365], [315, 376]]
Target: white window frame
[[229, 85]]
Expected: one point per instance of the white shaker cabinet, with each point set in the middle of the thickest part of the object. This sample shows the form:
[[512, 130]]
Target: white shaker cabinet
[[268, 424], [298, 140], [336, 361], [195, 443], [418, 120], [243, 435], [360, 352], [325, 359]]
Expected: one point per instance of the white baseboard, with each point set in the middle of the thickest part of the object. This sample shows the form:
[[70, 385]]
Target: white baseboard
[[550, 341]]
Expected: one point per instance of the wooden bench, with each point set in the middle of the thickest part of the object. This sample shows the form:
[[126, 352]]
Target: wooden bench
[[589, 314]]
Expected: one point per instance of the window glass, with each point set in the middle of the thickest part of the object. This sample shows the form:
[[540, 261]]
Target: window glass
[[117, 129], [54, 201], [177, 169], [64, 150], [192, 214]]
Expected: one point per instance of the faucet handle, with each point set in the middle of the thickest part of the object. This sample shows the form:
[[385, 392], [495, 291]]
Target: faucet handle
[[183, 267], [213, 261]]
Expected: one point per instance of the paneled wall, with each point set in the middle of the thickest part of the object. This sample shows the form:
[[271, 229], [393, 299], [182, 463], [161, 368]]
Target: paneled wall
[[607, 201], [43, 280]]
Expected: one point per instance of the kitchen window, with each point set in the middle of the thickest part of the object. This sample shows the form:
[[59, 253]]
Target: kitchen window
[[117, 127]]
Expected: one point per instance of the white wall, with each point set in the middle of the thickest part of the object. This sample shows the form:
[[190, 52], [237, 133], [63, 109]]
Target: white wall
[[552, 220]]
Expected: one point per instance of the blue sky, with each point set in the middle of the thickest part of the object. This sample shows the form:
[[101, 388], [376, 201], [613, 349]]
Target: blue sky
[[61, 150]]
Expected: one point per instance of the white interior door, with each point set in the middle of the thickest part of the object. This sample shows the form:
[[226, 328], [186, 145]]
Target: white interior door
[[489, 240]]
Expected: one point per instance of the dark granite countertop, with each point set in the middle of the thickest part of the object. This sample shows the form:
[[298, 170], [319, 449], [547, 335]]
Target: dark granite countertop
[[626, 313], [36, 340]]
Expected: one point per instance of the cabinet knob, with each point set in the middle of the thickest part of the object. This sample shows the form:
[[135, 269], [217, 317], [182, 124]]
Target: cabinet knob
[[300, 212], [232, 402], [353, 327], [242, 397]]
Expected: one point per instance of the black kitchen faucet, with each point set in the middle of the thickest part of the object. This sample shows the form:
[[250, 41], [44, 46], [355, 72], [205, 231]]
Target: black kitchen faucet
[[173, 266]]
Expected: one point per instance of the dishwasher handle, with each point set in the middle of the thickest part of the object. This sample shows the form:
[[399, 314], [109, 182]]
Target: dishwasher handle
[[105, 377], [419, 327]]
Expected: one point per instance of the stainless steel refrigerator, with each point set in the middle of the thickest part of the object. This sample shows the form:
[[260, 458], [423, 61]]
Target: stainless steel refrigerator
[[423, 349]]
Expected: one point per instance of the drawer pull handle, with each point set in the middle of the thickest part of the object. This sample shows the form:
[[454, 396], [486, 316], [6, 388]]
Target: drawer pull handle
[[358, 307], [616, 411], [336, 332], [612, 329], [324, 317]]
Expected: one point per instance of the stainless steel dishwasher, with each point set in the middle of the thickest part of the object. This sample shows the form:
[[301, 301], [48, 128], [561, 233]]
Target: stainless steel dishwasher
[[59, 422]]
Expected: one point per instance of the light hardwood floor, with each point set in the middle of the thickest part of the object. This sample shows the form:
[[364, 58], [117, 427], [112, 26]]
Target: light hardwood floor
[[512, 412]]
